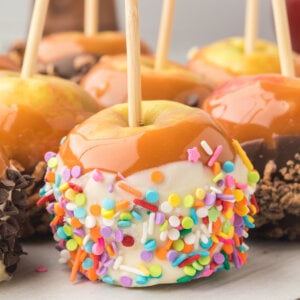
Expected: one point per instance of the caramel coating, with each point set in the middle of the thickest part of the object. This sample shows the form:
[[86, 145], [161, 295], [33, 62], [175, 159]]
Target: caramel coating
[[59, 45], [106, 142], [3, 162], [36, 113], [257, 107], [107, 82]]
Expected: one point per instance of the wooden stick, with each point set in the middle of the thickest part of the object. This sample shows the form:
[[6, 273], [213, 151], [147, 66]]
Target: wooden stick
[[283, 38], [91, 17], [251, 25], [133, 62], [34, 36], [164, 36]]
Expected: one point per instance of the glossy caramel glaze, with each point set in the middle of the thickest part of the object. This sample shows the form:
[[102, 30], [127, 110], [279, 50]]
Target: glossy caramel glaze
[[105, 141], [107, 82], [59, 45], [3, 162], [36, 113], [7, 64], [257, 107]]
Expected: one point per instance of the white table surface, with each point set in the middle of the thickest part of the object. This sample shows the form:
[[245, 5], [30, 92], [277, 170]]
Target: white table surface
[[272, 272]]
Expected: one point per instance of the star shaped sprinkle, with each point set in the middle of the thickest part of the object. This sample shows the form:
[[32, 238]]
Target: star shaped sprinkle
[[193, 154]]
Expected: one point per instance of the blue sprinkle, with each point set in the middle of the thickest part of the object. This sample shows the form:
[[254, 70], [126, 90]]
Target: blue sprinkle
[[242, 248], [108, 279], [124, 223], [61, 233], [42, 191], [87, 263], [202, 253], [88, 246], [206, 245], [248, 223], [57, 179], [136, 215], [108, 203], [193, 215], [152, 196], [139, 279], [57, 193], [179, 260], [80, 212], [228, 166], [150, 245]]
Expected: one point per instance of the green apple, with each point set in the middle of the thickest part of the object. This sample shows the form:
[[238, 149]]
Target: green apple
[[35, 113]]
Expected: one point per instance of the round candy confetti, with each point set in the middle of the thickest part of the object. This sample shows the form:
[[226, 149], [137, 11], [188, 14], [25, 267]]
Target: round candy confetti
[[155, 270], [228, 166], [126, 281], [152, 196], [157, 176], [174, 200], [146, 256], [108, 203]]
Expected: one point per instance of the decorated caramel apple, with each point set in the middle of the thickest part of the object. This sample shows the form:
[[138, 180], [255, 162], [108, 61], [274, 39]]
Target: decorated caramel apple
[[226, 59], [166, 202], [262, 113], [107, 82], [12, 211]]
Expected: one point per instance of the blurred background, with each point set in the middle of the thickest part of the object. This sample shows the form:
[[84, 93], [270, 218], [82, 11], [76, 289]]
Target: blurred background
[[197, 22]]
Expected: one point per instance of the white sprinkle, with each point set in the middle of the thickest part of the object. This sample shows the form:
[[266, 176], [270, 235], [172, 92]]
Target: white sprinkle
[[62, 260], [206, 148], [144, 233], [56, 238], [131, 270], [174, 221], [163, 235], [219, 207], [86, 239], [245, 234], [218, 248], [202, 212], [210, 227], [173, 234], [216, 190], [65, 254], [90, 222], [71, 206], [108, 222], [190, 238], [204, 239], [246, 246], [197, 238], [151, 223], [204, 229], [117, 262], [165, 207]]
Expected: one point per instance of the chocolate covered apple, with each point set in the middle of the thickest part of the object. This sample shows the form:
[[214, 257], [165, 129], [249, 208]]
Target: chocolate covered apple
[[166, 202], [107, 82], [262, 112], [226, 59], [12, 215]]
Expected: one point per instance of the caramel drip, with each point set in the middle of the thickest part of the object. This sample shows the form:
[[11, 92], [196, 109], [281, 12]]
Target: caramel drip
[[259, 107], [118, 148]]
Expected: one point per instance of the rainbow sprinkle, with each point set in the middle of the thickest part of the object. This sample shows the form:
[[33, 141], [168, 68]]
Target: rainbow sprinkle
[[195, 235]]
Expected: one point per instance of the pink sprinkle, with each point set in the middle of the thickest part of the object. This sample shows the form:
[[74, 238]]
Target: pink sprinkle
[[41, 269], [193, 154], [241, 186], [229, 181], [215, 156], [121, 176], [97, 175]]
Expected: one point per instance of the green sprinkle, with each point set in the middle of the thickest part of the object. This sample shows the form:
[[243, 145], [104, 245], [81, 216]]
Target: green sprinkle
[[189, 270], [197, 266], [164, 226], [80, 199], [226, 226], [204, 260], [125, 216], [188, 201], [184, 279], [213, 214], [253, 177], [68, 230], [184, 232], [178, 245]]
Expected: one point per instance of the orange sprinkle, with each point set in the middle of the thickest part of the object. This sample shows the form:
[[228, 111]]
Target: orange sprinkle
[[243, 256], [59, 210], [216, 168], [95, 233], [91, 274], [236, 240], [228, 249], [187, 248], [129, 189], [50, 176], [198, 204], [161, 253], [227, 191], [76, 265], [75, 223], [168, 245], [122, 205], [83, 256], [55, 221], [110, 250], [217, 225], [157, 176], [95, 210], [212, 249]]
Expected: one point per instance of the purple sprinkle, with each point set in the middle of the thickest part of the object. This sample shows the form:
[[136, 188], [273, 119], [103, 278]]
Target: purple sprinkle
[[110, 188], [236, 259], [79, 232], [70, 213], [76, 172], [218, 258], [66, 175], [126, 281], [106, 231], [172, 255], [50, 208], [119, 236], [146, 256], [104, 257], [210, 199], [115, 247], [102, 271], [49, 155], [220, 183], [238, 221], [159, 218], [225, 197], [109, 263]]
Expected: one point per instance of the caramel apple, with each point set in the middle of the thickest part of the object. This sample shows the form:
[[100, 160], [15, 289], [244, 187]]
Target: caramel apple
[[262, 112], [166, 202], [226, 59], [107, 82]]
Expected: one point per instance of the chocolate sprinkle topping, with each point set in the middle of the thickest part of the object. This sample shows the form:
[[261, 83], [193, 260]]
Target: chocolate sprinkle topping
[[12, 210]]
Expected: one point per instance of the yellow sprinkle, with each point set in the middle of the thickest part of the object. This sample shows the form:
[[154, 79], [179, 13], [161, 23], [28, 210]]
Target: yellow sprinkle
[[238, 194], [52, 162], [228, 214], [64, 187], [230, 232], [178, 245], [188, 201], [70, 194], [223, 235], [253, 209], [155, 270], [143, 268], [238, 148], [164, 226], [250, 219], [214, 239], [218, 177], [107, 213], [78, 239], [200, 194], [174, 200]]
